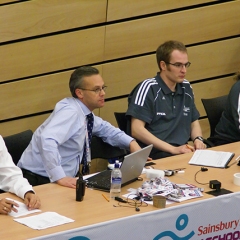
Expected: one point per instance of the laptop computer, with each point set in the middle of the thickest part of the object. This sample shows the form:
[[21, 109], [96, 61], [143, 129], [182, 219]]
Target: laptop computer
[[131, 168]]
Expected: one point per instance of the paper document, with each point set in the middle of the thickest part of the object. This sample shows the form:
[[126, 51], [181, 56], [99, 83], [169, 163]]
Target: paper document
[[185, 194], [211, 158], [44, 220], [22, 209]]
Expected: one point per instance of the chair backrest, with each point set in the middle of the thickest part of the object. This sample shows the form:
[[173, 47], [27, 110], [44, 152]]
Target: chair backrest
[[123, 122], [100, 149], [17, 143], [214, 108]]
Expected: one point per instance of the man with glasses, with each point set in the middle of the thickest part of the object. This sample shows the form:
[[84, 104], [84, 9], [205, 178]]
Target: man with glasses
[[62, 142], [162, 109]]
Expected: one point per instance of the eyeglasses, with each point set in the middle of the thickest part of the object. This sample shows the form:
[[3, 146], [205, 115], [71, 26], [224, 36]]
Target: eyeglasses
[[180, 65], [97, 90]]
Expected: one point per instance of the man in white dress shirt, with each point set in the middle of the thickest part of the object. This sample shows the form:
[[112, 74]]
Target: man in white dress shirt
[[11, 180]]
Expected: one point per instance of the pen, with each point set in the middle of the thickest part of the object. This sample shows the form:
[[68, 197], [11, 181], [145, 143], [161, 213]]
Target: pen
[[179, 170], [105, 197], [232, 164], [189, 147], [234, 161]]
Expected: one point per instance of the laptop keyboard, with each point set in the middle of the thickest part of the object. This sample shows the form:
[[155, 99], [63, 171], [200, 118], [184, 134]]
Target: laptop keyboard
[[100, 181]]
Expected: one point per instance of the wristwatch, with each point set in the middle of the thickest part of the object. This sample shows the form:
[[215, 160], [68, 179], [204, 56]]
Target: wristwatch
[[199, 138]]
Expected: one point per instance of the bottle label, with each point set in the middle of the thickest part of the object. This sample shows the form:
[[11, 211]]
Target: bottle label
[[117, 180]]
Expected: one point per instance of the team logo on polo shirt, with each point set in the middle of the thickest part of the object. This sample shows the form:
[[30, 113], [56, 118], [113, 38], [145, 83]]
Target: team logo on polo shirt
[[186, 109], [161, 113]]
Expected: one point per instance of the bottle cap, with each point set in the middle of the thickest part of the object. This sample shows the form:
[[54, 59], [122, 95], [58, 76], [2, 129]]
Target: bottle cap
[[116, 164]]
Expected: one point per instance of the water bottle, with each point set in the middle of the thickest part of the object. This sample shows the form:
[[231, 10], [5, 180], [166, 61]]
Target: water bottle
[[116, 181]]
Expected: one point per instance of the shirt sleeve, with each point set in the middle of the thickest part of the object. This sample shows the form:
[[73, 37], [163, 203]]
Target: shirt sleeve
[[110, 134], [141, 106], [57, 131], [234, 103], [11, 178], [195, 112]]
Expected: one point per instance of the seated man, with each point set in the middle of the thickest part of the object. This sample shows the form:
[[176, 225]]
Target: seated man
[[62, 142], [162, 108], [228, 128], [11, 180]]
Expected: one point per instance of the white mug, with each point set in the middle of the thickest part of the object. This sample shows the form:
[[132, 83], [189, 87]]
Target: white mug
[[236, 179], [154, 173]]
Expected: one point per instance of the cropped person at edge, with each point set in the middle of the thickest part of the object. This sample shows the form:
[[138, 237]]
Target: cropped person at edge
[[11, 180], [228, 127], [56, 150]]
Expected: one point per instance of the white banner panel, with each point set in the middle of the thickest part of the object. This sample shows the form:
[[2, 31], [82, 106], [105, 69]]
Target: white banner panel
[[217, 218]]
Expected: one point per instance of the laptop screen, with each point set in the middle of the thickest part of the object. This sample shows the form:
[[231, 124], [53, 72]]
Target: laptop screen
[[131, 168]]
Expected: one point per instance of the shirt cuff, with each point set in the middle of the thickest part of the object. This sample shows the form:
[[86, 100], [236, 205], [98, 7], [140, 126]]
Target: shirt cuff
[[125, 142], [56, 174], [23, 190]]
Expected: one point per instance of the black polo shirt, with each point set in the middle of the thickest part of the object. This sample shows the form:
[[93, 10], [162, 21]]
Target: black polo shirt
[[168, 115]]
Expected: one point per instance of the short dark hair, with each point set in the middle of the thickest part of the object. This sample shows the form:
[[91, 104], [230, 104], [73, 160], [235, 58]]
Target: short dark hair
[[76, 79], [165, 50]]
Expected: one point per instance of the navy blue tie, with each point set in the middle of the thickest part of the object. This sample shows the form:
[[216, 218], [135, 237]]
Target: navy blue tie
[[85, 168]]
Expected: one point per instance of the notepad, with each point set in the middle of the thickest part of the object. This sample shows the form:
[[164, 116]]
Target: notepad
[[211, 158]]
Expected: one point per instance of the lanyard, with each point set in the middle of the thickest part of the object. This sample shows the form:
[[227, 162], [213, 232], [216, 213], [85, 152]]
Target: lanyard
[[88, 152]]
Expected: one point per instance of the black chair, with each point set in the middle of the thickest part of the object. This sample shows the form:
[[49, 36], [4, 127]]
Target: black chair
[[214, 108], [17, 143], [100, 149], [123, 122]]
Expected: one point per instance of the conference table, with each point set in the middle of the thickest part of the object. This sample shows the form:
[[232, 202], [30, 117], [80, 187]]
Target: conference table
[[96, 218]]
